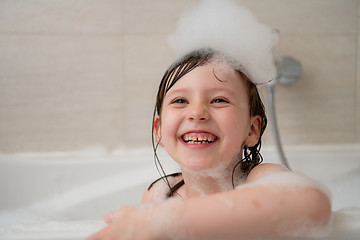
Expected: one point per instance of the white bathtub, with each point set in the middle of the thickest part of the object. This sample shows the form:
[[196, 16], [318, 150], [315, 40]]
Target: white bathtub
[[64, 195]]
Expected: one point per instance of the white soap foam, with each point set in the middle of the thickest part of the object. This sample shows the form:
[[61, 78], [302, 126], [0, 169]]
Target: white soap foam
[[231, 29]]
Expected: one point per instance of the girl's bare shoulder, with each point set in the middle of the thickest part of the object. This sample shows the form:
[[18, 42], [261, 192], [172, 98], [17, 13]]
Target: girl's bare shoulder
[[158, 190], [264, 169]]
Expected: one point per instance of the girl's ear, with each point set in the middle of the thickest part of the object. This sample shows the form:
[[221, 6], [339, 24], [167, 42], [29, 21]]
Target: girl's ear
[[254, 133], [157, 129]]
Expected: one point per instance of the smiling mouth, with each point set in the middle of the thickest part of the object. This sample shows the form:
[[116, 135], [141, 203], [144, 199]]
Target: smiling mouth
[[198, 138]]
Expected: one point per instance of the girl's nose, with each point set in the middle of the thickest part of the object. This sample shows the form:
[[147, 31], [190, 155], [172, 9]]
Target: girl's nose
[[199, 112]]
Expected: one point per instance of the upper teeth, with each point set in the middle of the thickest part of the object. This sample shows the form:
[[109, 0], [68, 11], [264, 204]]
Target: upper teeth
[[198, 137]]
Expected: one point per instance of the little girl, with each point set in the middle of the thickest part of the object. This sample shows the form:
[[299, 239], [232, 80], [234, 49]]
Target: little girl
[[209, 117], [208, 113]]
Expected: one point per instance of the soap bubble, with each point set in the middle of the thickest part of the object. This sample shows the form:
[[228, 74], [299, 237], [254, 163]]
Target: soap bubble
[[231, 29]]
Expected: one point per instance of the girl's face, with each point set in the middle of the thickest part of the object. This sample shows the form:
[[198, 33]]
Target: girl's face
[[205, 118]]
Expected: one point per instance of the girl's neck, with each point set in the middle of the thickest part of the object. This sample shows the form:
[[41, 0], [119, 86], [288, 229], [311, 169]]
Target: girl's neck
[[208, 182]]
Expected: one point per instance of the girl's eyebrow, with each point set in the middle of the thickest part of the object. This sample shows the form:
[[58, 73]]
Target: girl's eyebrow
[[225, 90]]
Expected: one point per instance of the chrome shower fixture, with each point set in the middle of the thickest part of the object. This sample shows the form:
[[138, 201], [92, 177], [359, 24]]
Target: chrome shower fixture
[[288, 70]]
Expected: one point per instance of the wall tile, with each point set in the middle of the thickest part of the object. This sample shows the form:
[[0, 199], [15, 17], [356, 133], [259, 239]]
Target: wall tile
[[319, 107], [60, 16], [358, 76], [357, 106], [146, 57], [31, 130], [327, 60], [157, 16], [358, 16], [91, 55], [139, 102], [78, 73], [59, 92], [306, 16]]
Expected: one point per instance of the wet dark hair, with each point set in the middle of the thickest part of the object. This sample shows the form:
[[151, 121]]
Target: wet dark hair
[[177, 70]]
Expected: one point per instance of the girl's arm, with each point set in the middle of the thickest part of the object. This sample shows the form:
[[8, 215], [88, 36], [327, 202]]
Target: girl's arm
[[273, 203]]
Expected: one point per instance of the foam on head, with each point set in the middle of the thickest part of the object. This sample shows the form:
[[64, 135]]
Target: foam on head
[[226, 27]]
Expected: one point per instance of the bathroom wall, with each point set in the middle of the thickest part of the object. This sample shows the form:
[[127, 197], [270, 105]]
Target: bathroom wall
[[76, 74]]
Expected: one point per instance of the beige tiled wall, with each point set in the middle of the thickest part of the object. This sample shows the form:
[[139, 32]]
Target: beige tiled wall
[[357, 87], [79, 73]]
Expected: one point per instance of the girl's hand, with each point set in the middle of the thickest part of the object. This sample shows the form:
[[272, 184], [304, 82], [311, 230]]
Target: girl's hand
[[127, 223]]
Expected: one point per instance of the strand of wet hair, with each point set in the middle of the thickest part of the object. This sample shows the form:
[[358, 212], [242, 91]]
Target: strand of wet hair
[[159, 167], [183, 69], [164, 176], [248, 158]]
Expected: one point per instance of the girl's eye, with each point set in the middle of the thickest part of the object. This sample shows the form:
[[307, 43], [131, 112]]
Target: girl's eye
[[179, 100], [219, 100]]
